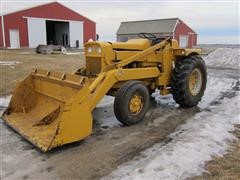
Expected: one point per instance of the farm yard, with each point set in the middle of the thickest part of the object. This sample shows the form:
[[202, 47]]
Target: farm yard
[[17, 64], [171, 143]]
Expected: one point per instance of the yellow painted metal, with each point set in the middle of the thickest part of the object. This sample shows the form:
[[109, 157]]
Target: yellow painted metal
[[195, 82], [121, 55], [186, 52], [168, 59], [143, 54], [95, 60], [51, 108], [132, 44], [39, 108], [136, 104]]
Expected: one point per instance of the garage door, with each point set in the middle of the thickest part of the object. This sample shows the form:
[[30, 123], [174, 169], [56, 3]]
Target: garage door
[[36, 32], [76, 33], [183, 40]]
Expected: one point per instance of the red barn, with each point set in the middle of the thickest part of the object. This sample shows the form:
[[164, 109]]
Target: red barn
[[51, 23], [173, 27]]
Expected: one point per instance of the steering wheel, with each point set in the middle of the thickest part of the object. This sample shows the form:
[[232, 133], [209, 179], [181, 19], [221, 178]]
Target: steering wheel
[[148, 36]]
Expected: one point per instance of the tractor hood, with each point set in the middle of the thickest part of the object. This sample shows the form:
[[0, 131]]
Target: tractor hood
[[132, 44]]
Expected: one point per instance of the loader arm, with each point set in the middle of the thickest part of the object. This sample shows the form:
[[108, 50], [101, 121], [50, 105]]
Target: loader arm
[[108, 79], [77, 113]]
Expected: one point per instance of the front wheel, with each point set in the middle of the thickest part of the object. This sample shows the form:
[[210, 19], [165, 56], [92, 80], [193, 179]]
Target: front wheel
[[189, 80], [131, 102]]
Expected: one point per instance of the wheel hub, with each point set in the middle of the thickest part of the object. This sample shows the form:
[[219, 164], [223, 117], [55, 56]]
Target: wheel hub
[[135, 104], [195, 82]]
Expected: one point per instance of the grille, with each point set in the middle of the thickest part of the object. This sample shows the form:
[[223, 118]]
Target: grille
[[93, 66]]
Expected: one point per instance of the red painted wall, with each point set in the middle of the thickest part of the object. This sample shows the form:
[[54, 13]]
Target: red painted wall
[[1, 37], [183, 29], [53, 10]]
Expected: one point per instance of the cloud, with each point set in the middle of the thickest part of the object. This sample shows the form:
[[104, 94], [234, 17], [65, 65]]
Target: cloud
[[218, 39], [205, 17], [202, 16]]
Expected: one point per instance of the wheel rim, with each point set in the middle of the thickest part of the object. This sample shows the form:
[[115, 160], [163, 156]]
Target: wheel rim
[[136, 104], [195, 82]]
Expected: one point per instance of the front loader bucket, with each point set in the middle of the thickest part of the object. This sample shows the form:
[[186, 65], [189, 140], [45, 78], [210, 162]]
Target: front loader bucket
[[45, 108]]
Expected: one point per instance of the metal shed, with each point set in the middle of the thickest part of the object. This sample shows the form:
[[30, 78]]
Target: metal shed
[[172, 27], [51, 23]]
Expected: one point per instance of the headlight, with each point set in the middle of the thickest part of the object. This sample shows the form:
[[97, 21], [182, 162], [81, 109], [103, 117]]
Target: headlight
[[89, 50], [99, 50]]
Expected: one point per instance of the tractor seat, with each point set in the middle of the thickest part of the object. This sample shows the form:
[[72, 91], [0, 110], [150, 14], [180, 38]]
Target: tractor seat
[[132, 44]]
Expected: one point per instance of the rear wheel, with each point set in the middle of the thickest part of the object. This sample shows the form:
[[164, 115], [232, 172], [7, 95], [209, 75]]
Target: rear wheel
[[131, 102], [189, 80]]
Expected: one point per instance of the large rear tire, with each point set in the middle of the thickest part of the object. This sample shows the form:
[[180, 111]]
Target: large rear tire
[[131, 102], [189, 80]]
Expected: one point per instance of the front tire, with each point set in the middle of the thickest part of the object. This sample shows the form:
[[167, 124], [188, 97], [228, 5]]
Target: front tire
[[189, 80], [131, 102]]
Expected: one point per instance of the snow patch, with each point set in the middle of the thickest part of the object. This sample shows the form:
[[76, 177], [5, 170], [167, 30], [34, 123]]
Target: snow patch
[[166, 99], [104, 114], [224, 58], [108, 122], [106, 101], [4, 101], [74, 53], [214, 88], [25, 53], [9, 63], [202, 137]]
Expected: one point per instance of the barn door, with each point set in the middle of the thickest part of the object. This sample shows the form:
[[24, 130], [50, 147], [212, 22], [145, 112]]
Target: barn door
[[183, 40], [14, 38], [76, 33], [36, 32]]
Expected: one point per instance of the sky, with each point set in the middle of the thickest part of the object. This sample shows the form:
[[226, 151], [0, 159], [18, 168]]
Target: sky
[[216, 22]]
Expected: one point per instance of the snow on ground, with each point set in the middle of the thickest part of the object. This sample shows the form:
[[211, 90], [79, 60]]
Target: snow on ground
[[224, 58], [9, 63], [166, 99], [104, 114], [74, 53], [106, 101], [4, 101], [214, 87], [28, 52], [203, 136]]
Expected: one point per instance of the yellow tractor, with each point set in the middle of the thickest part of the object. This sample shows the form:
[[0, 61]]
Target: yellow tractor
[[51, 109]]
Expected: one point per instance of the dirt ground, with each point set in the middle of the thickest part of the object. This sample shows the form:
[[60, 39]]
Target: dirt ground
[[108, 146], [27, 60]]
